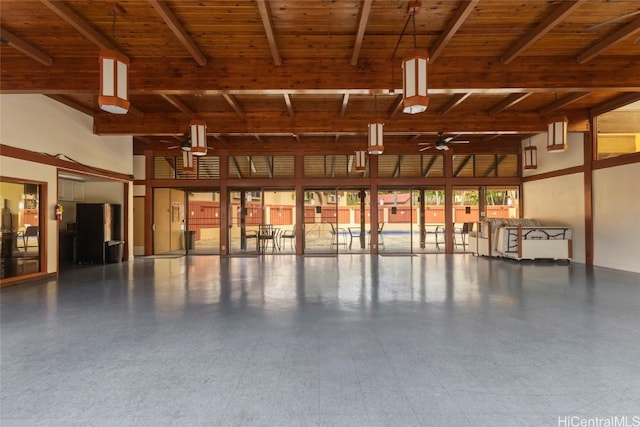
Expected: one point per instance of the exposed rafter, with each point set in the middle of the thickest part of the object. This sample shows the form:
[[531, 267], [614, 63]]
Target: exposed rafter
[[287, 101], [395, 107], [265, 14], [345, 104], [362, 26], [429, 166], [234, 104], [176, 27], [618, 102], [561, 12], [563, 102], [453, 26], [175, 101], [508, 102], [26, 48], [489, 138], [453, 102], [75, 105], [135, 111], [77, 22], [604, 44], [463, 164]]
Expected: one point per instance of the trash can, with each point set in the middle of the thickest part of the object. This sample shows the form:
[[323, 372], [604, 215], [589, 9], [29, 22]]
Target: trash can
[[191, 239], [113, 251]]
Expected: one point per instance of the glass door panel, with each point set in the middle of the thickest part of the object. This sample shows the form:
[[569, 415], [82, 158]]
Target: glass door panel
[[397, 219], [465, 215], [280, 214], [21, 218], [502, 202], [203, 223], [245, 217], [429, 235], [323, 232]]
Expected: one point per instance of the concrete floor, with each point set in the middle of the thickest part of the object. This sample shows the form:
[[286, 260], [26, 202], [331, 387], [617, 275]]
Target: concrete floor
[[355, 340]]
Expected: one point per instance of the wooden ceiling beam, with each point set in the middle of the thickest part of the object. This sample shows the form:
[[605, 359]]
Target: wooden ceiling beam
[[451, 74], [328, 123], [559, 13], [265, 14], [463, 11], [345, 104], [453, 102], [287, 101], [362, 26], [604, 44], [175, 101], [489, 138], [563, 102], [233, 103], [179, 31], [26, 48], [73, 104], [77, 22], [508, 102]]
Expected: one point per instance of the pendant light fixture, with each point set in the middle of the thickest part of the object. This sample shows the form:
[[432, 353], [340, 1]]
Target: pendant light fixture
[[114, 70], [187, 161], [198, 137], [361, 159], [414, 73], [557, 135], [530, 156], [376, 134]]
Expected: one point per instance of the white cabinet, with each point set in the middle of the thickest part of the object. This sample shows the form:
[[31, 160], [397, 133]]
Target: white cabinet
[[70, 190]]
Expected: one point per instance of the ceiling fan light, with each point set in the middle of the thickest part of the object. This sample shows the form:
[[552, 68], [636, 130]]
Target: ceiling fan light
[[414, 82], [114, 97], [198, 137], [557, 135], [376, 137]]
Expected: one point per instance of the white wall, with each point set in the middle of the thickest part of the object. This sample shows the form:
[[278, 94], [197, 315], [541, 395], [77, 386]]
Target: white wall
[[559, 201], [40, 124], [616, 217], [550, 161]]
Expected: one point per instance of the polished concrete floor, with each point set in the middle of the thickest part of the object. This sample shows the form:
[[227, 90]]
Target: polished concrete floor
[[354, 340]]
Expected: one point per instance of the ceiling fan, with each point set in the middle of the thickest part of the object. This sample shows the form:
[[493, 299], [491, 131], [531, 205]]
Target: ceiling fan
[[184, 144], [442, 143]]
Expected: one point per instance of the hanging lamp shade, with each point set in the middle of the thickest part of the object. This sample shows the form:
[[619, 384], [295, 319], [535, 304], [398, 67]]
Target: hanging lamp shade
[[414, 82], [187, 161], [376, 136], [361, 161], [198, 137], [530, 155], [557, 135], [114, 93]]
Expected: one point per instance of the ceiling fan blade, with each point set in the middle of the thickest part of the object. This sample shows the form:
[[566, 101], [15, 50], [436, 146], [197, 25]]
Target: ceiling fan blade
[[459, 142], [426, 148], [425, 143], [172, 147], [447, 139]]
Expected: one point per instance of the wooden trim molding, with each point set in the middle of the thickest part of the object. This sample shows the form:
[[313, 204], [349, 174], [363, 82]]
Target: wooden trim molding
[[18, 280], [32, 156], [553, 174], [625, 159]]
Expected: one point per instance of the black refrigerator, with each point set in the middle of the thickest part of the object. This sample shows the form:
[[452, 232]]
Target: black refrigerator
[[98, 233]]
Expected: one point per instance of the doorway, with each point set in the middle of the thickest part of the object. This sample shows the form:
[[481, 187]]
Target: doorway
[[169, 221]]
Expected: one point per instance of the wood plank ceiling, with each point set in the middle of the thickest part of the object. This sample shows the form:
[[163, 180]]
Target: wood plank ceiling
[[281, 75]]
